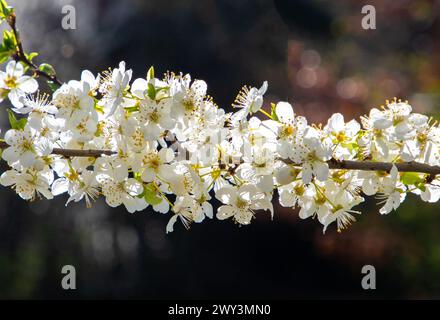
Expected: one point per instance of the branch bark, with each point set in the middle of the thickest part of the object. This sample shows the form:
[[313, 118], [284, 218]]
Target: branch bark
[[333, 163], [20, 55], [384, 166], [73, 152]]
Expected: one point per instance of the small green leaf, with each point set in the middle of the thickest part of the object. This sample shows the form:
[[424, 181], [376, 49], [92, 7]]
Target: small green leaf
[[47, 68], [52, 85], [351, 146], [4, 56], [151, 92], [14, 122], [7, 47], [138, 177], [9, 42], [421, 186], [5, 9], [273, 114], [151, 195], [132, 109], [31, 55], [97, 107], [150, 73], [411, 178]]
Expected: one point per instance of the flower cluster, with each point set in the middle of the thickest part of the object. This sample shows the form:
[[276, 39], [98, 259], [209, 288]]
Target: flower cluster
[[170, 147]]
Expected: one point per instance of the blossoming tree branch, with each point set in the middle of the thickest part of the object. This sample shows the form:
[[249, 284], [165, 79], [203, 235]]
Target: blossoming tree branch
[[165, 144]]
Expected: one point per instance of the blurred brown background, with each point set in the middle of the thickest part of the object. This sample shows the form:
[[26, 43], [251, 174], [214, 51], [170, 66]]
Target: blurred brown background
[[315, 55]]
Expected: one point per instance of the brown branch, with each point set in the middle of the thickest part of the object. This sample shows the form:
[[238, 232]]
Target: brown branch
[[384, 166], [82, 153], [73, 152], [380, 166], [20, 55], [333, 164]]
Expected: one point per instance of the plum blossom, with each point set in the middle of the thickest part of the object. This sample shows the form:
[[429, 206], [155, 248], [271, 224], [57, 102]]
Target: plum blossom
[[29, 184], [165, 146], [122, 192], [16, 83], [241, 203], [25, 147], [250, 100]]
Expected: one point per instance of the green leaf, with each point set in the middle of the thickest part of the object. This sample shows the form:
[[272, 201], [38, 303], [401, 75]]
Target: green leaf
[[421, 186], [352, 146], [52, 85], [150, 73], [4, 56], [151, 195], [7, 47], [47, 68], [151, 92], [5, 9], [273, 113], [411, 178], [97, 107], [14, 122], [132, 109], [9, 42], [31, 55]]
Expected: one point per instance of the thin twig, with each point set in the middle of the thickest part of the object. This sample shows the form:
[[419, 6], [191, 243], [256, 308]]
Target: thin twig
[[381, 166], [73, 152], [333, 164], [20, 55]]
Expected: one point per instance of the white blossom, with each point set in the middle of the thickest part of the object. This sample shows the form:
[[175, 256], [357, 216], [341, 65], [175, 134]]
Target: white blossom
[[169, 147], [16, 83]]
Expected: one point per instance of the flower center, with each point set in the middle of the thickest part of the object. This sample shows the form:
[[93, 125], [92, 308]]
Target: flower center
[[188, 104], [341, 137], [241, 204], [72, 175], [299, 190], [398, 119], [286, 131], [312, 157], [152, 161], [422, 137], [27, 145], [154, 116], [10, 82]]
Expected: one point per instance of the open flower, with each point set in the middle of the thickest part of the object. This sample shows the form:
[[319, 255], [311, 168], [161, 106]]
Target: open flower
[[250, 100], [289, 128], [122, 192], [73, 100], [25, 147], [187, 97], [341, 207], [29, 183], [113, 86], [241, 203], [154, 114], [342, 134], [392, 192], [151, 163], [16, 83], [189, 210], [312, 154], [78, 185]]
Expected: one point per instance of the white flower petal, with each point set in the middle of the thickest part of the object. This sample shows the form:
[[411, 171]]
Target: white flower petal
[[225, 212]]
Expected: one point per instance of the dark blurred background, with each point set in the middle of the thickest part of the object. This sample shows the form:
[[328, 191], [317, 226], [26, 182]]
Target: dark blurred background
[[315, 55]]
